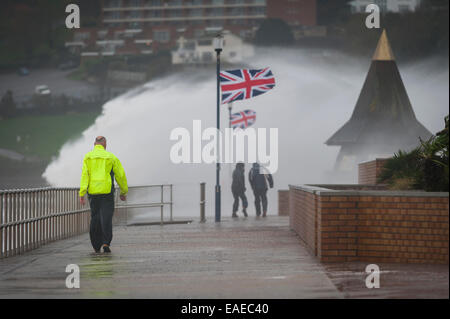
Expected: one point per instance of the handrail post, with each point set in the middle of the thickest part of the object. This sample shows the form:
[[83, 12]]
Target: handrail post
[[1, 228], [162, 204], [202, 202], [171, 202]]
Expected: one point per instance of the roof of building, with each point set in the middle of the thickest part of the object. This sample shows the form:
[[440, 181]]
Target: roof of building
[[383, 112], [383, 51]]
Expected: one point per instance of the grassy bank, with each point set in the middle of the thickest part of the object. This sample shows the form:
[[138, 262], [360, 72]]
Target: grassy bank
[[43, 136]]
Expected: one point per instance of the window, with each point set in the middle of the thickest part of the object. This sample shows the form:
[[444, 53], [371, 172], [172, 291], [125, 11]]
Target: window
[[155, 3], [134, 3], [216, 12], [382, 4], [101, 34], [161, 35], [196, 13], [80, 36], [134, 15], [238, 21], [154, 14], [207, 57], [217, 2], [175, 13], [134, 24], [262, 11], [113, 4], [237, 12], [205, 42], [216, 23], [199, 33]]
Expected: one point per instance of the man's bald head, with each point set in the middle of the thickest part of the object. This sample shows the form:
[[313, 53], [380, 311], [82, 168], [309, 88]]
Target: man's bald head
[[100, 140]]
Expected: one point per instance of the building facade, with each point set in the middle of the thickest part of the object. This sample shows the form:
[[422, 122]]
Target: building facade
[[201, 50], [397, 6], [167, 17], [146, 26]]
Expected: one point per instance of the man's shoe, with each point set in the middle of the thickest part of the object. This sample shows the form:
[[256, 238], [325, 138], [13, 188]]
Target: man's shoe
[[234, 215], [106, 249], [264, 214], [245, 213], [97, 251]]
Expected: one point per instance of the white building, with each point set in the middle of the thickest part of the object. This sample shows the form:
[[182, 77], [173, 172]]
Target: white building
[[397, 6], [201, 50]]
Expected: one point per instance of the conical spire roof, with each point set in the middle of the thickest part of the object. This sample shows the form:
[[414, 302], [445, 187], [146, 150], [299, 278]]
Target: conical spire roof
[[383, 51], [383, 113]]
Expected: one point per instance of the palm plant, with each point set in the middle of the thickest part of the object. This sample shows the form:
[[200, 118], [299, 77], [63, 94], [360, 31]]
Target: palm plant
[[425, 167]]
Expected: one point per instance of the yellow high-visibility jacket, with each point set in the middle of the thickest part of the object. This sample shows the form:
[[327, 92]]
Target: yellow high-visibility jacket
[[99, 167]]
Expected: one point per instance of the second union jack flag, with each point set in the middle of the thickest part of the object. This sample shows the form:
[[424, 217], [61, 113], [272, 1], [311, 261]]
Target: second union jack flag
[[244, 84], [243, 119]]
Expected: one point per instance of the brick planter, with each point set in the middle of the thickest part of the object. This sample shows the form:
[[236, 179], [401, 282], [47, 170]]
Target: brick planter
[[342, 224], [283, 202], [368, 172]]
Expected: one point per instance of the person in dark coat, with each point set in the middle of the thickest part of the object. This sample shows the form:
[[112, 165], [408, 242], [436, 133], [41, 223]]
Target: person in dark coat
[[258, 179], [238, 189]]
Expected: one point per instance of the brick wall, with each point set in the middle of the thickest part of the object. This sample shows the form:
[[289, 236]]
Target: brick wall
[[380, 226], [368, 172], [283, 202], [301, 12], [302, 217]]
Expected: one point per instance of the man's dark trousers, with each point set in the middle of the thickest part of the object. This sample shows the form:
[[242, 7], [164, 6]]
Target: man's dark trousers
[[260, 196], [102, 211]]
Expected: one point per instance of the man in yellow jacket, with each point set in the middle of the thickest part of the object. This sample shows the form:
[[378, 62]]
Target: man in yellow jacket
[[97, 180]]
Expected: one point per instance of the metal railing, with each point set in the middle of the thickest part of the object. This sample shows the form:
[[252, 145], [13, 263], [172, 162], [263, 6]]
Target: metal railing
[[34, 217], [30, 218], [120, 206]]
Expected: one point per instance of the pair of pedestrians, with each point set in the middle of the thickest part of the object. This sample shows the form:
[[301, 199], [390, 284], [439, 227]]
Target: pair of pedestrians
[[260, 181]]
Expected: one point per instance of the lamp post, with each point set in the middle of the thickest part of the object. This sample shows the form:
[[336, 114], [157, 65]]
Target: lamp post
[[230, 109], [218, 46]]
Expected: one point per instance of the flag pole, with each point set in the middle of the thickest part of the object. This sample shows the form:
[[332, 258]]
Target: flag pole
[[230, 109], [218, 48]]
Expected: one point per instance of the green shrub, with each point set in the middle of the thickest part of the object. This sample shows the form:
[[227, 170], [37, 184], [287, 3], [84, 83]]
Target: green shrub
[[425, 167]]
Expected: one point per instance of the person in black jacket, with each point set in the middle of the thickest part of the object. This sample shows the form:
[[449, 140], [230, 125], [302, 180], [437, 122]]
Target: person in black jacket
[[238, 189], [258, 179]]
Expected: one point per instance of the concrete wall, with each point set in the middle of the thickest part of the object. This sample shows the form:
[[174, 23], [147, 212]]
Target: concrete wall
[[371, 226], [368, 172]]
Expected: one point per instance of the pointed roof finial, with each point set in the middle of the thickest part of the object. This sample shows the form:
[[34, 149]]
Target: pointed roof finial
[[383, 51]]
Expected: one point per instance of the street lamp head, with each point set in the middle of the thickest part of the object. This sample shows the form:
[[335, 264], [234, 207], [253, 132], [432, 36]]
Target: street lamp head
[[218, 43]]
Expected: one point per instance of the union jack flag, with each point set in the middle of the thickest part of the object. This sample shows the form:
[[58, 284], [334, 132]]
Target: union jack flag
[[245, 84], [243, 119]]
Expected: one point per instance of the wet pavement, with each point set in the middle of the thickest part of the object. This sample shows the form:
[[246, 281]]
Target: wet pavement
[[243, 258], [397, 281]]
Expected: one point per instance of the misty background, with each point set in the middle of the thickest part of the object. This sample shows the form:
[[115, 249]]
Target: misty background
[[313, 97]]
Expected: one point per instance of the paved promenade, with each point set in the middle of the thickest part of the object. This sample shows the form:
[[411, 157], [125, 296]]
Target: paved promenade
[[252, 258]]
